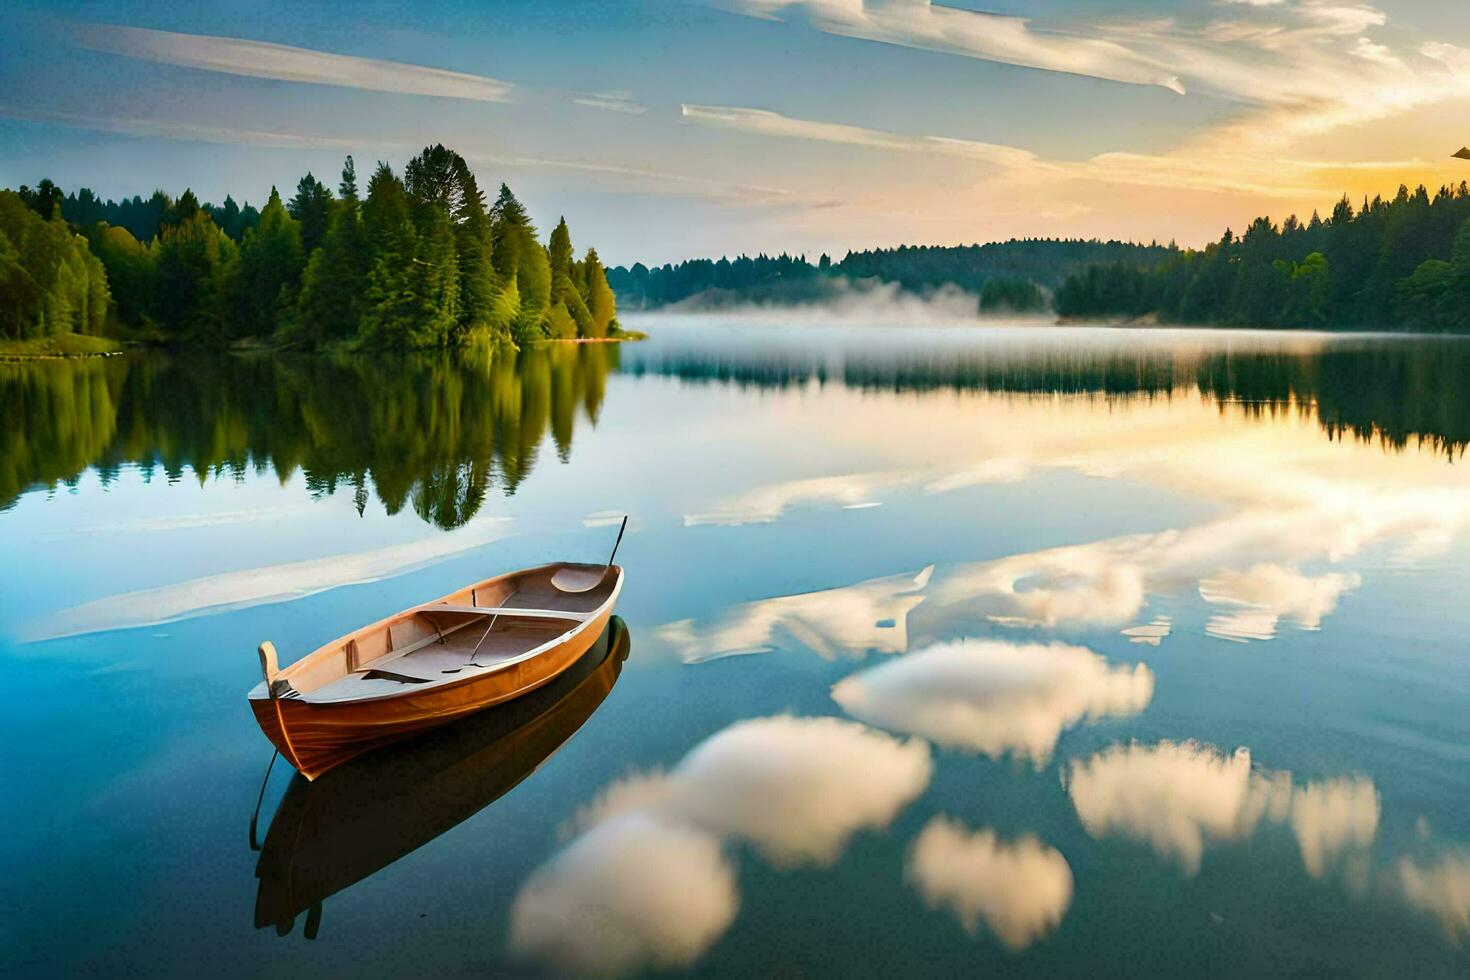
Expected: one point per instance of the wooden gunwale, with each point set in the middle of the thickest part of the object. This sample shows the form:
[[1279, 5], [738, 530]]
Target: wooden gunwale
[[261, 691]]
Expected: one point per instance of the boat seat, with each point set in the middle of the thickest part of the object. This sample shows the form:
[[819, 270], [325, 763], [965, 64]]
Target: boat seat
[[564, 614]]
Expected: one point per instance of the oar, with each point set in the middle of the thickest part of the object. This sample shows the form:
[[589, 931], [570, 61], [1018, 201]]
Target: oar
[[584, 579]]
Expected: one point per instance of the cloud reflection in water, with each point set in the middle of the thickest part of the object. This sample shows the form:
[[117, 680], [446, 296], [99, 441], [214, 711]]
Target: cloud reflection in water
[[1020, 889], [852, 620], [796, 789], [1178, 797], [995, 697]]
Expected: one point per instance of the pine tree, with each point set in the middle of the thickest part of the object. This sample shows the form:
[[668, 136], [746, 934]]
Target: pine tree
[[191, 260], [601, 302], [271, 262], [311, 207], [393, 303], [335, 284]]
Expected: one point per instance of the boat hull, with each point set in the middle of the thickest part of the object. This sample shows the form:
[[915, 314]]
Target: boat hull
[[315, 737], [331, 833]]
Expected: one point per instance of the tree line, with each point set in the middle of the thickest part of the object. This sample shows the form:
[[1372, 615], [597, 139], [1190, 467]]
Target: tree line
[[1014, 275], [1399, 264], [418, 261]]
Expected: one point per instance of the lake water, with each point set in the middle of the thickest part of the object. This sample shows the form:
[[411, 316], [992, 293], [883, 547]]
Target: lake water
[[943, 650]]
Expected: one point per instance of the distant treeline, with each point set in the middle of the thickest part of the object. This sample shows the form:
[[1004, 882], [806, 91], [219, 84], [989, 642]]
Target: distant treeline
[[1402, 264], [420, 262], [1014, 275]]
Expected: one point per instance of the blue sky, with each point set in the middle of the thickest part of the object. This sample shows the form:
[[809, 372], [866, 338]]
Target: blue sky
[[664, 129]]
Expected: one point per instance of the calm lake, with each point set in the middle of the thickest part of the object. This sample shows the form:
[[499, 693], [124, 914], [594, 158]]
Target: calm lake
[[943, 650]]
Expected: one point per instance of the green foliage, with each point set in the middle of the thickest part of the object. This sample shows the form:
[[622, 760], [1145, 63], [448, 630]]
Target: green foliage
[[394, 304], [335, 283], [533, 281], [420, 263], [1011, 296], [271, 263], [49, 280], [916, 269], [130, 272], [196, 266], [312, 209], [601, 303], [1402, 264]]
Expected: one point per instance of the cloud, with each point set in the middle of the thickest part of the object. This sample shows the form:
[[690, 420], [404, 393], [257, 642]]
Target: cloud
[[995, 697], [1152, 633], [856, 619], [259, 586], [1180, 797], [795, 788], [1333, 818], [642, 178], [1206, 168], [192, 132], [646, 881], [633, 893], [1293, 70], [763, 122], [1441, 889], [1267, 592], [660, 181], [765, 504], [612, 101], [1020, 889], [259, 59], [1171, 796], [991, 37]]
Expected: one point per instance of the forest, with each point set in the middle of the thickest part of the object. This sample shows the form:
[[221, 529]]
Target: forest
[[417, 261], [1012, 276], [1400, 264]]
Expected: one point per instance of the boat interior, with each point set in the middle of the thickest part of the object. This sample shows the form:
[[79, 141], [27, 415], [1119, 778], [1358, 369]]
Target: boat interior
[[466, 632]]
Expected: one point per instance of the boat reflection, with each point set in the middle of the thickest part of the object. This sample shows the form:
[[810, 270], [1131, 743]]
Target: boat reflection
[[366, 814]]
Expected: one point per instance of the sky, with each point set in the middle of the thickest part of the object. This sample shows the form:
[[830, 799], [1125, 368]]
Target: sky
[[669, 129]]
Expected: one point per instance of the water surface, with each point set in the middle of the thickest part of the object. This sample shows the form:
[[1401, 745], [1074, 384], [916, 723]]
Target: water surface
[[948, 649]]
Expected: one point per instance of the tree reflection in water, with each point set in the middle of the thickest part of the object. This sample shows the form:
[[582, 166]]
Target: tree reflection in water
[[436, 432]]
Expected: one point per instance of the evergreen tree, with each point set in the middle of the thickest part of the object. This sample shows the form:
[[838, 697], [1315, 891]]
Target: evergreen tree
[[311, 207], [393, 302], [194, 262], [600, 300], [271, 262], [334, 286]]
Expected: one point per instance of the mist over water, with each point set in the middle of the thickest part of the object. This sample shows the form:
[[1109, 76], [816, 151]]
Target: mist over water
[[847, 302]]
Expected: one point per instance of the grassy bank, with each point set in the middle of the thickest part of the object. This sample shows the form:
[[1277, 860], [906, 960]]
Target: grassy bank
[[58, 345]]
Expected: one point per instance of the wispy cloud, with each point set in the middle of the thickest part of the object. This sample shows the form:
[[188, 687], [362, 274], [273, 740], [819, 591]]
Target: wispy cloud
[[991, 37], [263, 585], [260, 59], [766, 123], [623, 102], [1297, 69], [1185, 169], [191, 132], [639, 179]]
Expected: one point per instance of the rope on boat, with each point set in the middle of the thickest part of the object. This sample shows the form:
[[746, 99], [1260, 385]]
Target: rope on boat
[[255, 817]]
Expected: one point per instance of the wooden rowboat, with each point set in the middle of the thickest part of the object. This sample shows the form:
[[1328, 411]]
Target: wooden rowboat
[[361, 817], [432, 663]]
